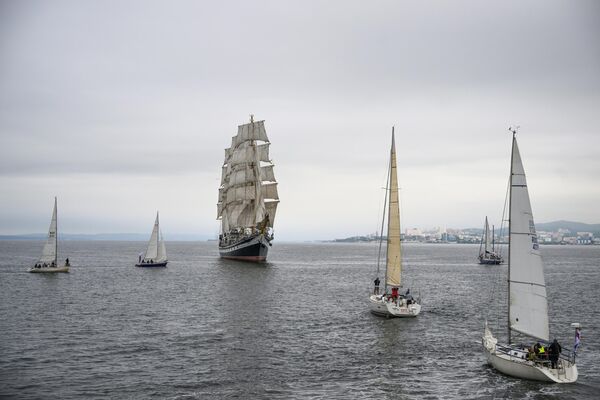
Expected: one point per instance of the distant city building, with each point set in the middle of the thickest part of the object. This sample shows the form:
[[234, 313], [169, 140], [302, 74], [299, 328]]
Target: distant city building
[[473, 236]]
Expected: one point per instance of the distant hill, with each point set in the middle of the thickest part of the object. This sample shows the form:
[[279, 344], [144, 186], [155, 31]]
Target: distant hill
[[574, 227]]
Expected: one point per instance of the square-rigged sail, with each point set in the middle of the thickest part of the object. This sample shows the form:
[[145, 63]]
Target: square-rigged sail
[[248, 193]]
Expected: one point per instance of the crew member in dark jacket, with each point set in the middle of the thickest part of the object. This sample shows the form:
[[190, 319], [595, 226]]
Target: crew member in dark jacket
[[555, 350]]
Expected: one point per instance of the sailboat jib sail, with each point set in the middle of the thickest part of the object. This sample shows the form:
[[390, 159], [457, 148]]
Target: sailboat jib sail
[[248, 195], [528, 304], [393, 304], [156, 253], [48, 262]]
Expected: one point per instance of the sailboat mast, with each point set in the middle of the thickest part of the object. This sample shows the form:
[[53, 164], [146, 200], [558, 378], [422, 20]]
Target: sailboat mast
[[493, 239], [512, 154], [157, 234]]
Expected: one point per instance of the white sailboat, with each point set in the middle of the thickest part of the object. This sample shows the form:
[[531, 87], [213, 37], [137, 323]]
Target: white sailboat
[[487, 248], [527, 304], [156, 253], [48, 261], [392, 303]]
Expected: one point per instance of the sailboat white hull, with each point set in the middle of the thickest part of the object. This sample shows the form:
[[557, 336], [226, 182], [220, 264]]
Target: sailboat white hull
[[48, 269], [514, 362], [389, 308]]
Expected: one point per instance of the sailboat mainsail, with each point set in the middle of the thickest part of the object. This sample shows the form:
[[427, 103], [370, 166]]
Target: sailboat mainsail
[[393, 257], [393, 304], [156, 253], [487, 237], [527, 303], [528, 307], [248, 195]]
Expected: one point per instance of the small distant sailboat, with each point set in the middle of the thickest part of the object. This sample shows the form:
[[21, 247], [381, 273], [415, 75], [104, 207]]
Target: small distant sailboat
[[527, 303], [48, 261], [392, 304], [156, 253], [487, 252]]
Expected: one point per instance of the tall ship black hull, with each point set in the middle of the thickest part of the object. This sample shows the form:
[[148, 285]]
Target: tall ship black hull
[[254, 249]]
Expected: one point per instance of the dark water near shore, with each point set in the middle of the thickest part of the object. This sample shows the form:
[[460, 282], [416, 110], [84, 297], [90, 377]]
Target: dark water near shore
[[297, 327]]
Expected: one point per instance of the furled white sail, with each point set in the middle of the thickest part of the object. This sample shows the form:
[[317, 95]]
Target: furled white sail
[[393, 259], [50, 247], [528, 305], [245, 181]]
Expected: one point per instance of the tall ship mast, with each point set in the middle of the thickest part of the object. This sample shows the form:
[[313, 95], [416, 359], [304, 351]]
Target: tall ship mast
[[248, 195]]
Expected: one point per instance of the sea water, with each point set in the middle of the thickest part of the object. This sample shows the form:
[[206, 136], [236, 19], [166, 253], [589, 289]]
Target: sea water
[[295, 327]]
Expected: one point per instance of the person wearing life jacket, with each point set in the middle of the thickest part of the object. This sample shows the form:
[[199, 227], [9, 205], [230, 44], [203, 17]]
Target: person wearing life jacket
[[542, 352]]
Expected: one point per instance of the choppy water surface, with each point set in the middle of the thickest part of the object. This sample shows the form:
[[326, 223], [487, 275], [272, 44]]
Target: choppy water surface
[[296, 327]]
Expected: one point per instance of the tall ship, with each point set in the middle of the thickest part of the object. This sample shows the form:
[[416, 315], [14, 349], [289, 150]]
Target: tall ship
[[487, 247], [248, 195]]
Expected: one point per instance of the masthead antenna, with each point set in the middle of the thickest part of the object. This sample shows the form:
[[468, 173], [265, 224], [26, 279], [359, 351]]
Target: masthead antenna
[[513, 129]]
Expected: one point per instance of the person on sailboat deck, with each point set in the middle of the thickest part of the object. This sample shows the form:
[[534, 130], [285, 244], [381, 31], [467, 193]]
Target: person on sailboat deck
[[553, 352], [542, 352], [394, 293], [376, 281], [67, 262]]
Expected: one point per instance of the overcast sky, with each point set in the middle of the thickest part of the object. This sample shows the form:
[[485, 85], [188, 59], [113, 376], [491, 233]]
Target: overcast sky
[[122, 108]]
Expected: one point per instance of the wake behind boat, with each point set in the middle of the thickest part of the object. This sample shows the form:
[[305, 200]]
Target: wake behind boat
[[527, 303], [248, 196], [487, 250], [48, 261], [156, 253], [392, 304]]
